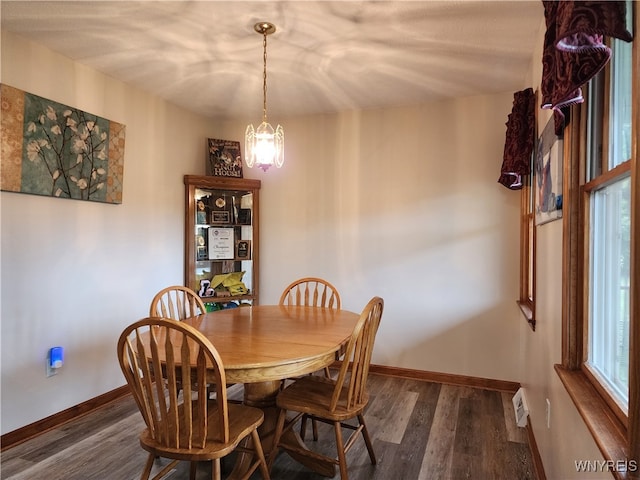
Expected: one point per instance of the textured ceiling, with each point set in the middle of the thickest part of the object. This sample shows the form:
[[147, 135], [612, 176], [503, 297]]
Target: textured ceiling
[[324, 57]]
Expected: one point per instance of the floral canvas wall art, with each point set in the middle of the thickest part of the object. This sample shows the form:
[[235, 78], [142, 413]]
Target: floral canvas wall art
[[51, 149], [548, 175]]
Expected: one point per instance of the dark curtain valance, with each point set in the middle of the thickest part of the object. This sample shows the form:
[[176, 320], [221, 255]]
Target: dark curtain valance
[[519, 140], [574, 50]]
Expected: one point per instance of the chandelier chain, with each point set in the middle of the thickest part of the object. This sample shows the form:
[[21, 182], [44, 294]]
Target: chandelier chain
[[264, 146], [264, 78]]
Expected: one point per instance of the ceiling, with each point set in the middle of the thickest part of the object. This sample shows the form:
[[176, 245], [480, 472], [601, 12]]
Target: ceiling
[[324, 57]]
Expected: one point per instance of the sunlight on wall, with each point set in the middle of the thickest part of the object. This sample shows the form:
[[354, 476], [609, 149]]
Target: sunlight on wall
[[404, 203]]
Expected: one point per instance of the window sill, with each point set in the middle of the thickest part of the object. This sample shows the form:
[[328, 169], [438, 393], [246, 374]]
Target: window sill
[[527, 311], [606, 429]]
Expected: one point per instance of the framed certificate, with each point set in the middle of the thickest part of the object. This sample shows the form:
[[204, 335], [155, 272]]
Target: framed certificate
[[221, 244]]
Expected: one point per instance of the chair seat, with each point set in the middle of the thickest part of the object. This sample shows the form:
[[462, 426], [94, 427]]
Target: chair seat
[[313, 394], [242, 420]]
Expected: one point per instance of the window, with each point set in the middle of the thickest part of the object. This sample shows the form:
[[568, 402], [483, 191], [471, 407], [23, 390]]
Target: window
[[600, 320], [608, 288], [527, 250], [607, 217]]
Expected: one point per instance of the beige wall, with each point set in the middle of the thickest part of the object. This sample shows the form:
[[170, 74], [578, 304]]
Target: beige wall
[[404, 203]]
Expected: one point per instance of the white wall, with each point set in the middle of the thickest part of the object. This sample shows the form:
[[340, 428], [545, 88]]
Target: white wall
[[401, 203], [568, 439]]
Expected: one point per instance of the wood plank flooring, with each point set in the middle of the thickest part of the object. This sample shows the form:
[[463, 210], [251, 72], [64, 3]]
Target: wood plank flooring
[[420, 430]]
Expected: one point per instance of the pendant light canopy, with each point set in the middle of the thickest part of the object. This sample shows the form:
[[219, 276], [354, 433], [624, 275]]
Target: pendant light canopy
[[264, 146]]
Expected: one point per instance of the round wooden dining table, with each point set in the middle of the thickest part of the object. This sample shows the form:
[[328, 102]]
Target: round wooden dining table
[[262, 345]]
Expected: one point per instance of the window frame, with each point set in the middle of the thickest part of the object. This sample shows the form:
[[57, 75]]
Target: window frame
[[616, 434], [592, 375], [527, 294]]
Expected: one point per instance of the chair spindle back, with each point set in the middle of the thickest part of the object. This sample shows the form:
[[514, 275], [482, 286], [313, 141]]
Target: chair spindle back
[[357, 358], [176, 302], [161, 357], [311, 291]]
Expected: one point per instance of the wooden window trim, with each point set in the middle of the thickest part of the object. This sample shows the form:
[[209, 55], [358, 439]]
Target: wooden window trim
[[634, 289], [525, 301], [597, 381], [608, 432], [527, 309], [608, 177], [618, 441]]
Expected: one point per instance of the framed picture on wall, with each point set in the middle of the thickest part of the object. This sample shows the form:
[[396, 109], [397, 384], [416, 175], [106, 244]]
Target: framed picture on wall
[[58, 150], [547, 184], [223, 158]]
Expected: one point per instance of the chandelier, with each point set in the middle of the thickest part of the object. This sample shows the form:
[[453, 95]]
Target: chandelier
[[264, 146]]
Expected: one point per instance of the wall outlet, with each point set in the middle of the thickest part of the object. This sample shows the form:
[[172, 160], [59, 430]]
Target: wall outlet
[[548, 413], [55, 357]]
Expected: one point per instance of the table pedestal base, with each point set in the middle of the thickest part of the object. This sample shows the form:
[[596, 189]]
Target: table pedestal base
[[263, 395]]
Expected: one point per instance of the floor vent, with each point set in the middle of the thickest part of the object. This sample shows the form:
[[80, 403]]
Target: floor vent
[[520, 407]]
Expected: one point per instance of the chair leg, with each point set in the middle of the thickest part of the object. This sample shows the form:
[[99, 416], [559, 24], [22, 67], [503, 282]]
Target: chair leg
[[215, 469], [148, 466], [257, 445], [303, 427], [342, 461], [367, 439], [276, 436], [192, 470]]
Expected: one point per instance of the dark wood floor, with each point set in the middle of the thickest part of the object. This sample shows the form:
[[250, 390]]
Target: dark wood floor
[[420, 430]]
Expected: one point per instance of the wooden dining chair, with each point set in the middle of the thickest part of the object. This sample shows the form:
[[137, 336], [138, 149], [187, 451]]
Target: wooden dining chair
[[335, 401], [176, 302], [157, 356], [314, 292], [311, 291]]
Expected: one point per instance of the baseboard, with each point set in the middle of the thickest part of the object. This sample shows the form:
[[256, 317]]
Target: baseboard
[[447, 378], [27, 432], [535, 454]]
